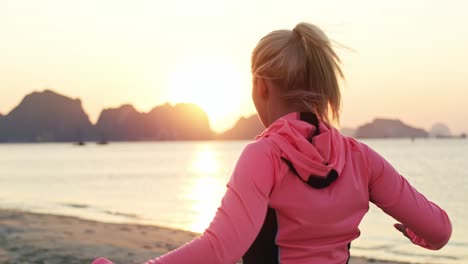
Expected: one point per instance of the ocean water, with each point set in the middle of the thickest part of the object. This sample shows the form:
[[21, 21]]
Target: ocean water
[[180, 185]]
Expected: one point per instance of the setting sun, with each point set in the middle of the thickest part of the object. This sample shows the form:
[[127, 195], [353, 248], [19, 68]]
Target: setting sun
[[212, 82]]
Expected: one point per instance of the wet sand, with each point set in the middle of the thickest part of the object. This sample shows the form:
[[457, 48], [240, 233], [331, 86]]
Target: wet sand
[[44, 238]]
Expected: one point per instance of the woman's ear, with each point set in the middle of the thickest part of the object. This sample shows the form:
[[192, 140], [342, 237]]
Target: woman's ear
[[260, 95], [262, 87]]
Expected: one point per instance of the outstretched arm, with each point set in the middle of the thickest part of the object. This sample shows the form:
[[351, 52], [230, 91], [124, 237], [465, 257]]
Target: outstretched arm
[[422, 221]]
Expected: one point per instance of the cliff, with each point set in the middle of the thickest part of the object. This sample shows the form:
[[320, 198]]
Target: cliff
[[179, 122], [46, 116], [166, 122], [245, 128], [388, 128], [347, 131], [440, 130], [120, 124]]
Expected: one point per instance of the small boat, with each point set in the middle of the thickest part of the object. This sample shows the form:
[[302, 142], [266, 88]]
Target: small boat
[[102, 142], [80, 143]]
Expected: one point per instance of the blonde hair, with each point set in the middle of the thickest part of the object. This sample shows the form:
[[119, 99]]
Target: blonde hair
[[302, 63]]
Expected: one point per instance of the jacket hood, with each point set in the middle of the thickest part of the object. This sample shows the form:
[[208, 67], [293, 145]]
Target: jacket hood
[[311, 152]]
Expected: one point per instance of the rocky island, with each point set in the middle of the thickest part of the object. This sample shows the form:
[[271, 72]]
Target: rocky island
[[389, 128]]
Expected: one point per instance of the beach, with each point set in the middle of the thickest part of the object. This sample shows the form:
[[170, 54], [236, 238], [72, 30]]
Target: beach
[[46, 238]]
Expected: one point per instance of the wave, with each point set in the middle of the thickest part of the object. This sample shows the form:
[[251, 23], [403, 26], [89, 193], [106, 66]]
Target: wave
[[76, 205], [127, 215], [102, 211]]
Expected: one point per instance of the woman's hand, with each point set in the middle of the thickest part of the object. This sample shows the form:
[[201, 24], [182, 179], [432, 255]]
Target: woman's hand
[[415, 239], [402, 229]]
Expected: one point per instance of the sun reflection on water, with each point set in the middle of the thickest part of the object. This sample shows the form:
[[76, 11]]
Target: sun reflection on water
[[205, 162], [206, 189]]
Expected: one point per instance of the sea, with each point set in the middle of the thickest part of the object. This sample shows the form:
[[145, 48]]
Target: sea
[[180, 185]]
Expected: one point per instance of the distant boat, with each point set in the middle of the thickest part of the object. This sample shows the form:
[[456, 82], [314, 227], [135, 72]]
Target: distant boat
[[102, 142], [80, 143]]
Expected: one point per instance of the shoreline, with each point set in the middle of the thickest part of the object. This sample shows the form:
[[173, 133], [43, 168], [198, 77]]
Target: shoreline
[[27, 237]]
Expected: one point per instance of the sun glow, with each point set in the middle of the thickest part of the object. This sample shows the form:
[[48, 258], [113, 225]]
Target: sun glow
[[212, 82]]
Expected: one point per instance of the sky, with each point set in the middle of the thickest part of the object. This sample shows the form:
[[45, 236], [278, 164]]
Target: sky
[[404, 59]]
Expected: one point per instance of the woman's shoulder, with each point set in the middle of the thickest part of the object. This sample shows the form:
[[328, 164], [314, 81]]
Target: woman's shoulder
[[262, 146], [355, 144], [366, 153], [359, 151], [262, 154]]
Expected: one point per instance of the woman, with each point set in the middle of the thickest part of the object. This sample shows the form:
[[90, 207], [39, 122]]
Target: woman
[[299, 192]]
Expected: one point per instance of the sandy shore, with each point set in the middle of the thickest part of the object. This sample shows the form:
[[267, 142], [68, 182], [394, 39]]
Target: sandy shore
[[43, 238]]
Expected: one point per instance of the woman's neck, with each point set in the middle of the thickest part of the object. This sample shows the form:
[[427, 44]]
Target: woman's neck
[[277, 110]]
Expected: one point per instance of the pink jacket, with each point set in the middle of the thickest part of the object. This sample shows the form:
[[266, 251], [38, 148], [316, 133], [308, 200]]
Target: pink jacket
[[314, 225]]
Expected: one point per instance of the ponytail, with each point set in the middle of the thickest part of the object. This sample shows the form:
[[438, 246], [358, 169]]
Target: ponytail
[[304, 66]]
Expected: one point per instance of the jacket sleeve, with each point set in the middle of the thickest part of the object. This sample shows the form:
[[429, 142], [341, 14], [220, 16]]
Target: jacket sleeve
[[427, 225], [240, 216]]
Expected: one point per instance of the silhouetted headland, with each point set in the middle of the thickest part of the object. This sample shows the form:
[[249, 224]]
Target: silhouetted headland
[[50, 117], [389, 128], [245, 128], [165, 122], [348, 131], [46, 116]]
